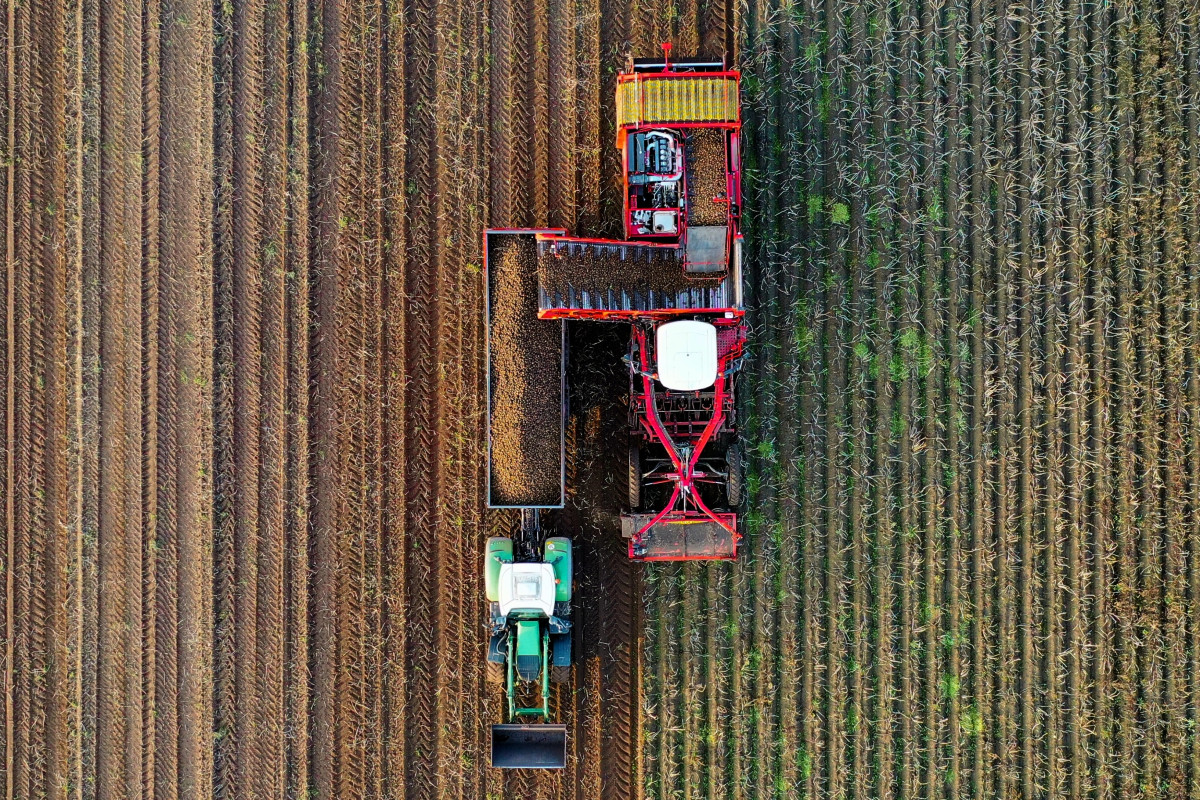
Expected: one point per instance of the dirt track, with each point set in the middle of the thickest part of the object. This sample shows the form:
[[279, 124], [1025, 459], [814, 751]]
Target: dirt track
[[243, 388]]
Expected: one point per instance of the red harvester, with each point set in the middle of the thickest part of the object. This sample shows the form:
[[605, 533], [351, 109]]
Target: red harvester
[[677, 280]]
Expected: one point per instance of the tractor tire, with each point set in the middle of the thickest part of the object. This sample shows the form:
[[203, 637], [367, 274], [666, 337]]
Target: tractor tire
[[733, 479], [495, 673], [635, 477], [560, 674]]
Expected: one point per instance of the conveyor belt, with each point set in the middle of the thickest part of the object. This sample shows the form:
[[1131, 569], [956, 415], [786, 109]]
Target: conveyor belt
[[588, 276]]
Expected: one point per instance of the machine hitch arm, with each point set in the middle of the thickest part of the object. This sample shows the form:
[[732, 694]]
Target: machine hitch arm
[[685, 469]]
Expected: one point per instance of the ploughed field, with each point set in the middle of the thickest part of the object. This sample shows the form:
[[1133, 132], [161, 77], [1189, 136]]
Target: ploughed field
[[244, 389], [244, 402], [972, 566]]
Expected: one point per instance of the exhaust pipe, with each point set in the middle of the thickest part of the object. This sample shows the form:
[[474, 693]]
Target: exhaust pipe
[[529, 746]]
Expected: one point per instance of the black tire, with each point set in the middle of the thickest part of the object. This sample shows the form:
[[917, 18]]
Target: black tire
[[560, 674], [733, 480], [495, 673], [635, 477]]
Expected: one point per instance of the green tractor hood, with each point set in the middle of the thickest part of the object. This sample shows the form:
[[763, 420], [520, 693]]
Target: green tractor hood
[[529, 649]]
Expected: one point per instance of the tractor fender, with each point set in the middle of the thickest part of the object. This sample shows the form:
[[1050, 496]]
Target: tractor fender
[[558, 555], [498, 647], [499, 551]]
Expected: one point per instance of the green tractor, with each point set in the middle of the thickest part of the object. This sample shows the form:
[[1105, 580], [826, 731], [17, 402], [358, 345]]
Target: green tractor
[[529, 591]]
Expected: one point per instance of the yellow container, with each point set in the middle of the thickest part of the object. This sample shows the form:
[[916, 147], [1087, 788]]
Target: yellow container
[[657, 100]]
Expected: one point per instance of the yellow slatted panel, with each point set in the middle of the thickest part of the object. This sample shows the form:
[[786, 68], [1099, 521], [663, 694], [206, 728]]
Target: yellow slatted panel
[[664, 100]]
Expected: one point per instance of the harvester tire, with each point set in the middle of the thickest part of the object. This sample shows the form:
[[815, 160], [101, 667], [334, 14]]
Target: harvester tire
[[495, 673], [635, 477], [560, 674], [733, 479]]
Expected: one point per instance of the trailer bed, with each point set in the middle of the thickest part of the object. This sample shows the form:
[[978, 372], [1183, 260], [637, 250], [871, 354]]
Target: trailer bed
[[526, 379]]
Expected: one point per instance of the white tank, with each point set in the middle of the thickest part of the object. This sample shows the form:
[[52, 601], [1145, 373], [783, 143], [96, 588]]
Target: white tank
[[686, 352]]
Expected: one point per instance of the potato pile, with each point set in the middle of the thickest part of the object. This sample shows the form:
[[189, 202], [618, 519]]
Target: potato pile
[[705, 153], [526, 356]]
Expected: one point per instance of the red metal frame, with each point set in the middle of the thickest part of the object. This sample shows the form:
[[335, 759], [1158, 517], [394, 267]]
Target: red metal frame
[[684, 474], [733, 179], [603, 315], [685, 503], [733, 169]]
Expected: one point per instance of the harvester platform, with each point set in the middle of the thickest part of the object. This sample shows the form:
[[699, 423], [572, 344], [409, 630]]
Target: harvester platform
[[598, 279], [675, 538]]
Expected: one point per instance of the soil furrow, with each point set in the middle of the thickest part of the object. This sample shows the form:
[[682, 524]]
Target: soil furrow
[[562, 119], [908, 349], [835, 411], [119, 692], [956, 269], [151, 164], [881, 545], [225, 428], [1125, 679], [89, 401], [422, 267], [269, 766], [9, 49], [1192, 93], [1050, 159], [27, 611], [1003, 690], [1077, 387], [929, 360], [325, 212], [977, 683], [1099, 358], [296, 247], [1153, 532], [1024, 410]]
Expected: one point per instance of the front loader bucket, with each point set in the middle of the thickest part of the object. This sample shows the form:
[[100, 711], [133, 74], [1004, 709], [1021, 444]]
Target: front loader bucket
[[529, 746]]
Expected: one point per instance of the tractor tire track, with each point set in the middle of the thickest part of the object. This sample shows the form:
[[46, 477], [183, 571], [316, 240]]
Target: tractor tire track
[[119, 692], [423, 266], [298, 304], [269, 766], [39, 550], [183, 533]]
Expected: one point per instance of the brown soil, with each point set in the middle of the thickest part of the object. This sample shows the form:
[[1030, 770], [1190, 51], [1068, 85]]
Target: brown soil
[[526, 432], [244, 390], [706, 176]]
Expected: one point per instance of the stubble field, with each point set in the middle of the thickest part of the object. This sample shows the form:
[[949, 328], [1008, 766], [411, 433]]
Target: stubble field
[[973, 567]]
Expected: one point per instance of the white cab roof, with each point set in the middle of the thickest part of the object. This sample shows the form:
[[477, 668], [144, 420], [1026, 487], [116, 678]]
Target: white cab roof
[[526, 587], [686, 352]]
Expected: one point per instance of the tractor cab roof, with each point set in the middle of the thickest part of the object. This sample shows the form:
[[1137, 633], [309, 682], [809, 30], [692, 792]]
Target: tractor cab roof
[[525, 587]]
